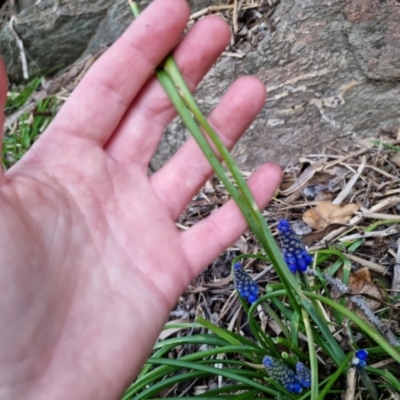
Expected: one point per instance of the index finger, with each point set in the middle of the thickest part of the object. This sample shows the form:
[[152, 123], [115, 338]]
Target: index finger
[[97, 105]]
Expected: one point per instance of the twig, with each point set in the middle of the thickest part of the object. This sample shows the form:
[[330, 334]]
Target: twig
[[210, 9], [347, 189], [341, 159], [383, 363], [371, 215], [235, 16], [396, 269], [369, 264], [351, 384], [216, 8], [387, 232]]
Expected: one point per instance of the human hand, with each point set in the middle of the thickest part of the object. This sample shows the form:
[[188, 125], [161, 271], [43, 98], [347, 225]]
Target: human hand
[[91, 261]]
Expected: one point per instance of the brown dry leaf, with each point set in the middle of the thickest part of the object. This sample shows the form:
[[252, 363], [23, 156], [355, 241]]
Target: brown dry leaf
[[308, 238], [361, 283], [326, 213]]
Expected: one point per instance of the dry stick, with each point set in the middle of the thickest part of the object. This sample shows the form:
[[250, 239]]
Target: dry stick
[[369, 264], [344, 158], [235, 16], [379, 171], [233, 320], [360, 302], [383, 363], [350, 376], [347, 189], [363, 235], [228, 304], [396, 270], [389, 192], [384, 173], [210, 9], [213, 9], [370, 215], [351, 384]]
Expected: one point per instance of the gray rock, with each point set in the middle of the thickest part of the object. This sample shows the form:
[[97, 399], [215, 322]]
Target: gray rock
[[55, 33], [327, 80], [374, 35], [331, 68]]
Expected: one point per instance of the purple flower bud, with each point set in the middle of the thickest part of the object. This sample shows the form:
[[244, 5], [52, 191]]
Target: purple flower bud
[[303, 374], [360, 359], [294, 251], [282, 374], [362, 354], [245, 284]]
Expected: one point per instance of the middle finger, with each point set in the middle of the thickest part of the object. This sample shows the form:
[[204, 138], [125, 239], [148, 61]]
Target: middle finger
[[140, 131]]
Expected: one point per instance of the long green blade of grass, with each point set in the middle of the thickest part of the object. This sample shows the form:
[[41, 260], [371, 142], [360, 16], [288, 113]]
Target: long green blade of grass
[[230, 374], [367, 328]]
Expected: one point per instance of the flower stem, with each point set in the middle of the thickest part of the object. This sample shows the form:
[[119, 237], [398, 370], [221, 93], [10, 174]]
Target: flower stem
[[313, 355]]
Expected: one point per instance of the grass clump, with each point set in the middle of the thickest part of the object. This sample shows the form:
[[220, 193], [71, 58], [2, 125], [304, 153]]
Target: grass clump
[[26, 118]]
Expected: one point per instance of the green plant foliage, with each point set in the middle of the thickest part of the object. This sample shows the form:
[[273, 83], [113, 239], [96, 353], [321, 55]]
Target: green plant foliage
[[27, 127], [19, 96]]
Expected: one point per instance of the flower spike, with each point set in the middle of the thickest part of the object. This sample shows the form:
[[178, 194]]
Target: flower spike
[[245, 284], [282, 374], [294, 251], [360, 359], [303, 374]]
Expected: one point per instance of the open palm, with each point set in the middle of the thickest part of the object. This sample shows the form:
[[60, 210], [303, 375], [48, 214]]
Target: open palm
[[91, 261]]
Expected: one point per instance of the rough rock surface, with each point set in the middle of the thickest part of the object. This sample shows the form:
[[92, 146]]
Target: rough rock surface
[[331, 69], [57, 32]]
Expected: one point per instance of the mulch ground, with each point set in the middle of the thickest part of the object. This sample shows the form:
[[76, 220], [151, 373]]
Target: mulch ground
[[345, 196], [367, 179]]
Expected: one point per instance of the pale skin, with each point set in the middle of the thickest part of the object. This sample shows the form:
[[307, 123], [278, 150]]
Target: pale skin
[[91, 262]]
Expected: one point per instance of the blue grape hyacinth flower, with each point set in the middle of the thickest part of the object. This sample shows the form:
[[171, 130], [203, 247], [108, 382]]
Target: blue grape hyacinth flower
[[245, 284], [303, 374], [282, 374], [294, 251], [360, 362], [360, 359]]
